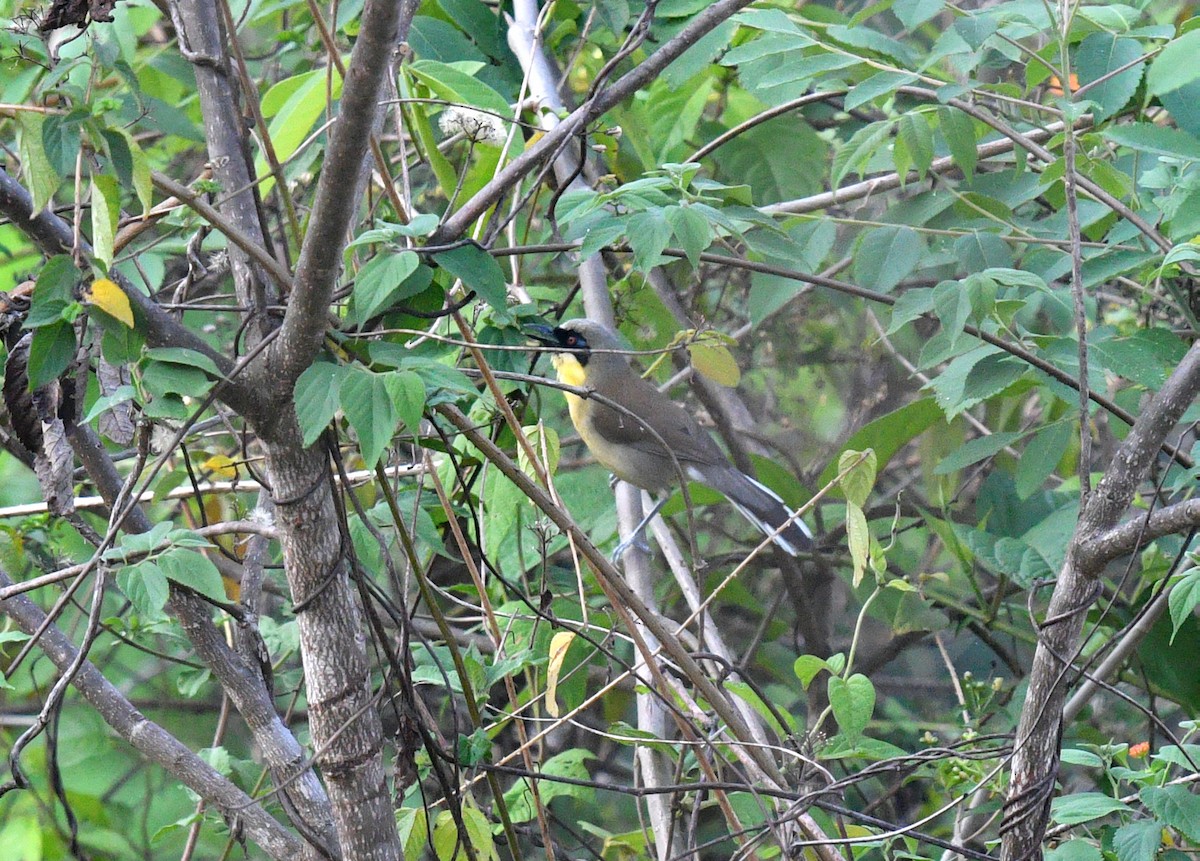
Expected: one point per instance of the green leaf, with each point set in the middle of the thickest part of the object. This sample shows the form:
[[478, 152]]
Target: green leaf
[[857, 483], [411, 825], [369, 408], [1177, 806], [857, 151], [1138, 841], [1041, 456], [886, 256], [1101, 54], [54, 292], [455, 85], [1175, 66], [184, 356], [317, 396], [164, 378], [1148, 137], [914, 145], [649, 233], [1185, 595], [888, 434], [853, 703], [958, 130], [806, 668], [382, 282], [195, 571], [858, 539], [1075, 850], [145, 585], [478, 270], [1084, 807], [39, 174], [975, 451], [294, 106], [691, 230], [51, 353], [571, 764], [880, 84], [60, 138], [407, 392]]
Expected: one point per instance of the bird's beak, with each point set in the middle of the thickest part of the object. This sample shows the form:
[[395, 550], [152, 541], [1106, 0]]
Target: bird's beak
[[542, 333]]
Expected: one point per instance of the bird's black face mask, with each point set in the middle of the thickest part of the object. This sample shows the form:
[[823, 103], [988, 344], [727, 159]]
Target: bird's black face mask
[[559, 337]]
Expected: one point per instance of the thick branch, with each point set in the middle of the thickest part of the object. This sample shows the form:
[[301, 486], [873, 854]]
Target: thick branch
[[336, 200], [1035, 756], [1132, 535]]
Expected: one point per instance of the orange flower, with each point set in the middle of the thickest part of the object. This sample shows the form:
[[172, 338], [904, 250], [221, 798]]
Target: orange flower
[[1140, 749]]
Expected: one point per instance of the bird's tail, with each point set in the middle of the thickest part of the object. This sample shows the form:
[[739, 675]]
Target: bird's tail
[[762, 507]]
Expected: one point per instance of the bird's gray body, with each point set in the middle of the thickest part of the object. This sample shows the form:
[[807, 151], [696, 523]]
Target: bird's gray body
[[630, 441]]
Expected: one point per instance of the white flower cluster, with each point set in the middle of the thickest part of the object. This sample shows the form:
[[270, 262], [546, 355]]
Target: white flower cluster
[[474, 125]]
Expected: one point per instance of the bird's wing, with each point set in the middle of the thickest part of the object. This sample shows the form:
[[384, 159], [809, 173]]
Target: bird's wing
[[687, 439]]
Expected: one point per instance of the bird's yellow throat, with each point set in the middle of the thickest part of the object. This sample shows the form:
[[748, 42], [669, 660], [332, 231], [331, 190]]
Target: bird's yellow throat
[[569, 369]]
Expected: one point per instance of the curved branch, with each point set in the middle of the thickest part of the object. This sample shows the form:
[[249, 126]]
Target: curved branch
[[1132, 535]]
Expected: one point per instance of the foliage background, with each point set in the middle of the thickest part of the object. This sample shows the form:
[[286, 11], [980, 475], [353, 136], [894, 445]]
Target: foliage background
[[938, 232]]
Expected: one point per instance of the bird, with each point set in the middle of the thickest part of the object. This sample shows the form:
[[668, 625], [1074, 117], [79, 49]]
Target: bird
[[630, 442]]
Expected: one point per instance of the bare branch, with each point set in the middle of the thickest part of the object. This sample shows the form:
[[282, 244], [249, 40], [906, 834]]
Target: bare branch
[[150, 739]]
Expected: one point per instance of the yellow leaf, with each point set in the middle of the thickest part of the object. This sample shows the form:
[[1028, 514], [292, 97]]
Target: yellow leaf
[[859, 540], [715, 362], [559, 644], [222, 465], [111, 299]]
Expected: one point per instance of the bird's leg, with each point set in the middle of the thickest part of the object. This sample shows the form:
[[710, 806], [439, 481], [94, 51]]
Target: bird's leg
[[637, 538]]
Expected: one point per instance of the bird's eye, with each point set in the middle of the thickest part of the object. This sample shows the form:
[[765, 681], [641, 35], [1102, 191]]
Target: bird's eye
[[572, 340]]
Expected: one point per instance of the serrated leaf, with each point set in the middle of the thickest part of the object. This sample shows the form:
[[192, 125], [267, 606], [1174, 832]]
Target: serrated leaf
[[958, 130], [1138, 841], [1175, 66], [110, 299], [1101, 54], [713, 360], [1177, 806], [914, 145], [853, 703], [407, 392], [691, 230]]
